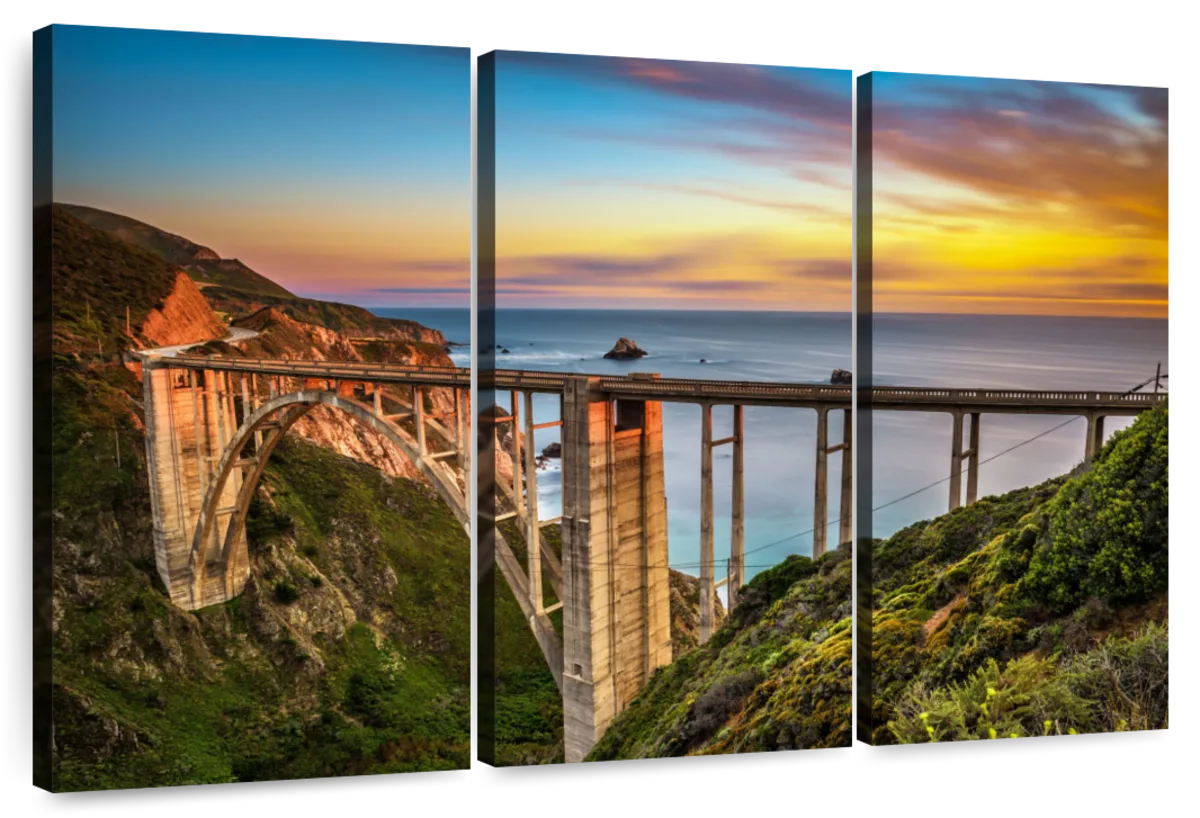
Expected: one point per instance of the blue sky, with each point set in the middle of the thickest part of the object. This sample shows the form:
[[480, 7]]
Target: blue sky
[[628, 182], [339, 169]]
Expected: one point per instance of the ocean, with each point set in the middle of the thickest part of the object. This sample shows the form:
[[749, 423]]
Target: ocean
[[912, 449]]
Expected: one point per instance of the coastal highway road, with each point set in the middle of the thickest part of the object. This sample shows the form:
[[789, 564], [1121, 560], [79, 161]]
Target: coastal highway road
[[235, 335]]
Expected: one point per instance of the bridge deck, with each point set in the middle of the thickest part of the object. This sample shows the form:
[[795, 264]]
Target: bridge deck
[[450, 376], [695, 390]]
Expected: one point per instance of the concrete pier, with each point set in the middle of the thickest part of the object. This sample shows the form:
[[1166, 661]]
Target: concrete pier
[[616, 589], [737, 533], [186, 420], [706, 523], [209, 436]]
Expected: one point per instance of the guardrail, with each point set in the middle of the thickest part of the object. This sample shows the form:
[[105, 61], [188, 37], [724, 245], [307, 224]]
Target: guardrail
[[681, 389]]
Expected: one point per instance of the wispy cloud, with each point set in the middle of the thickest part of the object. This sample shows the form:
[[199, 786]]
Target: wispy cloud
[[422, 290], [1047, 146], [757, 88], [715, 270], [737, 194]]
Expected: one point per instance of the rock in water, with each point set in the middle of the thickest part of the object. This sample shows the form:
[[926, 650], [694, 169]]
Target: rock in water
[[842, 376], [553, 451], [626, 348]]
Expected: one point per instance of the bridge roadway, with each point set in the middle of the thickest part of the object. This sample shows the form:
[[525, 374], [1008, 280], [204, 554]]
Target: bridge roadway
[[747, 393]]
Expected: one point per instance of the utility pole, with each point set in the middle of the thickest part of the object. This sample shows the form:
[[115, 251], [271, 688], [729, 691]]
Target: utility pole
[[1157, 377]]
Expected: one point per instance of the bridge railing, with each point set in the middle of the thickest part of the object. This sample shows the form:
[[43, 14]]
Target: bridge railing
[[303, 363], [683, 387], [666, 388], [348, 370], [1016, 397]]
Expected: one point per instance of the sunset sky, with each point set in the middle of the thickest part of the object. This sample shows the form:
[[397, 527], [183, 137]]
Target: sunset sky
[[1012, 196], [340, 170], [669, 182], [655, 184]]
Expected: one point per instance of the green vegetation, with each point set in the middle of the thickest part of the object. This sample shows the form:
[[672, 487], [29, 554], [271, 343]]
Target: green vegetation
[[201, 263], [1027, 614], [775, 676], [96, 277], [1040, 611], [529, 714], [369, 676]]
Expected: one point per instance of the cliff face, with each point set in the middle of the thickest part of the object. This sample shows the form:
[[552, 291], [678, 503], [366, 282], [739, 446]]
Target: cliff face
[[685, 612], [353, 322], [281, 336], [184, 317]]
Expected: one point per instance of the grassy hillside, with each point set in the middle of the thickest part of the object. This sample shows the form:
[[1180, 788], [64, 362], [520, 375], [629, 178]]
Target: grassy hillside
[[775, 676], [346, 654], [1039, 612], [202, 263], [95, 277]]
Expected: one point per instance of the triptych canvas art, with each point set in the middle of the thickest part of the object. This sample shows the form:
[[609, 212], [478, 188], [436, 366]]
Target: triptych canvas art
[[791, 387]]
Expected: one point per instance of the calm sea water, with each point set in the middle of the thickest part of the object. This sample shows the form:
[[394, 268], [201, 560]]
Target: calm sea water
[[911, 449]]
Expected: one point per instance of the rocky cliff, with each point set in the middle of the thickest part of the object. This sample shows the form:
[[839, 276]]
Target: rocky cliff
[[353, 322], [282, 337], [184, 317]]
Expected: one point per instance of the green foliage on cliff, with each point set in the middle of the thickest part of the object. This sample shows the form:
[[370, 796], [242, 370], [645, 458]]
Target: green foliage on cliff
[[361, 667], [95, 277], [201, 263], [775, 676], [1034, 612], [1026, 614], [529, 715]]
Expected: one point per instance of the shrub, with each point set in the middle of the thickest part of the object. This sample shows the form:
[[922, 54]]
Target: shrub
[[714, 706], [1106, 531], [285, 592]]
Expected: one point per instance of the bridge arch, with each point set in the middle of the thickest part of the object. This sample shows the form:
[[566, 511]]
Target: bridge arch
[[275, 418]]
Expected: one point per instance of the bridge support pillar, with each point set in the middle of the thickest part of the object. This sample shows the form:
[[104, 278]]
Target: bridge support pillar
[[846, 514], [616, 585], [956, 451], [1095, 436], [737, 533], [533, 535], [972, 455], [821, 492], [706, 524], [187, 414]]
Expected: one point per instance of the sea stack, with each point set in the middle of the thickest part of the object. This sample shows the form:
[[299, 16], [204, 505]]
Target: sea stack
[[842, 376], [625, 348]]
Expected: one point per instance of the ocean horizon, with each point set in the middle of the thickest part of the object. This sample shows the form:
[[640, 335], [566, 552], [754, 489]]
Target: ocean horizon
[[912, 449]]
